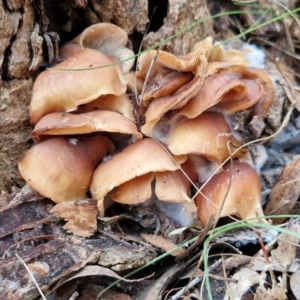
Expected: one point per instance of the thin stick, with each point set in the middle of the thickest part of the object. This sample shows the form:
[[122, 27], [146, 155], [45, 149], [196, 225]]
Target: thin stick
[[32, 277], [147, 76], [195, 281]]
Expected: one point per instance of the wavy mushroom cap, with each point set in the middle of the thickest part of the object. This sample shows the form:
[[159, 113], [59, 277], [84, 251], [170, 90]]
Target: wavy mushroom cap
[[185, 63], [214, 88], [174, 186], [163, 83], [220, 59], [243, 199], [108, 39], [61, 168], [170, 186], [84, 123], [120, 104], [233, 90], [161, 106], [64, 91], [141, 158], [207, 135]]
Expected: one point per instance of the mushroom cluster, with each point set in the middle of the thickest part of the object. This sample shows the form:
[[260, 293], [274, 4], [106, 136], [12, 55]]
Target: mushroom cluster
[[89, 136]]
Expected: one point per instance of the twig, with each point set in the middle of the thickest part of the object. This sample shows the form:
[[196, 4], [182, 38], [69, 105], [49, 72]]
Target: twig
[[32, 277], [195, 281]]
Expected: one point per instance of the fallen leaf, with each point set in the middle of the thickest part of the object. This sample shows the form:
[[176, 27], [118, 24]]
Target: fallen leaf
[[245, 279], [94, 270], [278, 291], [294, 283], [155, 290], [286, 191], [285, 253], [161, 242], [81, 216]]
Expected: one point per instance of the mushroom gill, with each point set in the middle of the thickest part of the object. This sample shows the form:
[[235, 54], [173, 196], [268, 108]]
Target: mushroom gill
[[110, 40]]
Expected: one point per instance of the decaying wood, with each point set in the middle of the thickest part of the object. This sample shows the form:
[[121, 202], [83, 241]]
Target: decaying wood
[[28, 229]]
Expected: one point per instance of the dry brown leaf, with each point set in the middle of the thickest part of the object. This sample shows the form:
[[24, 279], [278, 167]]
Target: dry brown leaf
[[278, 291], [81, 216], [245, 278], [285, 253], [286, 191], [88, 271], [155, 290], [294, 283], [161, 242], [91, 291]]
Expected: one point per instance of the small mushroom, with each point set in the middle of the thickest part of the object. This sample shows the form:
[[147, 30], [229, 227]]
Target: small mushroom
[[84, 123], [61, 168], [134, 191], [108, 39], [208, 135], [141, 158], [120, 104], [260, 93], [174, 186], [240, 189], [64, 91]]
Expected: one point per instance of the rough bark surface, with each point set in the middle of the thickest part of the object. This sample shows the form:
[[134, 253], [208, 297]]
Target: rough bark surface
[[28, 229], [182, 14], [20, 56]]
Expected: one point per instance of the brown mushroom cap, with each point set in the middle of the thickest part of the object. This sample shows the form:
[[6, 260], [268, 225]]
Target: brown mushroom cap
[[206, 135], [94, 121], [243, 199], [186, 63], [160, 106], [64, 91], [61, 168], [120, 104], [213, 89], [134, 191], [143, 157], [108, 39], [174, 186], [170, 186], [220, 59], [233, 90], [163, 83]]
